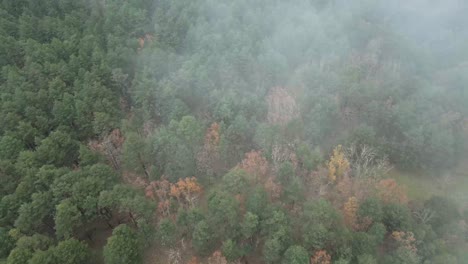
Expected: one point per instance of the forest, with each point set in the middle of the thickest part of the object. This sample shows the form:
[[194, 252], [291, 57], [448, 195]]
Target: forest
[[242, 132]]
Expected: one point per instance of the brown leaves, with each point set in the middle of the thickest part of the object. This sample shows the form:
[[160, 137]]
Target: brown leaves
[[208, 157], [217, 258], [273, 189], [390, 192], [212, 136], [110, 146], [193, 260], [320, 257], [405, 239], [160, 190], [186, 191], [282, 107], [255, 165]]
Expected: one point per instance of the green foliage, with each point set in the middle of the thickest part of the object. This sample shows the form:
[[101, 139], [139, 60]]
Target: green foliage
[[163, 71], [250, 225], [272, 250], [57, 149], [319, 219], [10, 147], [202, 238], [285, 172], [366, 259], [396, 217], [223, 213], [371, 208], [43, 257], [19, 256], [123, 246], [31, 215], [7, 243], [377, 231], [235, 181], [295, 255], [294, 190], [187, 219], [257, 201], [167, 232], [137, 154], [445, 212], [231, 250], [67, 218], [72, 251], [402, 256], [363, 244]]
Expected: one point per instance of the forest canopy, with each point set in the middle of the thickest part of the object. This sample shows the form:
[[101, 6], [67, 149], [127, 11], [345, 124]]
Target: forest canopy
[[278, 132]]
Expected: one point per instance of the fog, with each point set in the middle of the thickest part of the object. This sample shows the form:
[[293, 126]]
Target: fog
[[221, 131]]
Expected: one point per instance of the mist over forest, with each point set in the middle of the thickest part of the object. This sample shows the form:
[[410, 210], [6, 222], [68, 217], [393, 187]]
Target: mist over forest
[[245, 132]]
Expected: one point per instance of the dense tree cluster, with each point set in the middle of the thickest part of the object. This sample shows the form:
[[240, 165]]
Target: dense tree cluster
[[226, 132]]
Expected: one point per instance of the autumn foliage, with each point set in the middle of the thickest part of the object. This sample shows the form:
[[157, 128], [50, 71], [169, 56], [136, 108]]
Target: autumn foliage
[[208, 157], [193, 260], [282, 107], [217, 258], [350, 209], [255, 165], [390, 192], [320, 257], [405, 239], [110, 146], [186, 191], [338, 165]]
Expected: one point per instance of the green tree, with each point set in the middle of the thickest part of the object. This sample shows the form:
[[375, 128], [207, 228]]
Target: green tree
[[167, 232], [123, 246], [67, 218], [366, 259], [235, 181], [295, 255], [370, 208], [231, 250], [57, 149], [272, 250], [137, 154], [43, 257], [223, 213], [202, 238], [7, 243], [19, 256], [396, 217], [31, 215], [250, 225], [72, 251]]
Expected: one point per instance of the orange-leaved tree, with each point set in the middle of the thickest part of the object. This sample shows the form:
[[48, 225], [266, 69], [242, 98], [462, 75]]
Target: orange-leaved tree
[[320, 257], [255, 165], [186, 191], [390, 192]]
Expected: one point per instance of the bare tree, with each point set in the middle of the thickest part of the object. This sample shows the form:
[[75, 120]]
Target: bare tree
[[365, 163]]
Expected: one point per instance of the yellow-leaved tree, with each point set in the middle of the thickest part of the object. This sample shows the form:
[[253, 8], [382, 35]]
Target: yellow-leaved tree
[[350, 209], [338, 165]]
